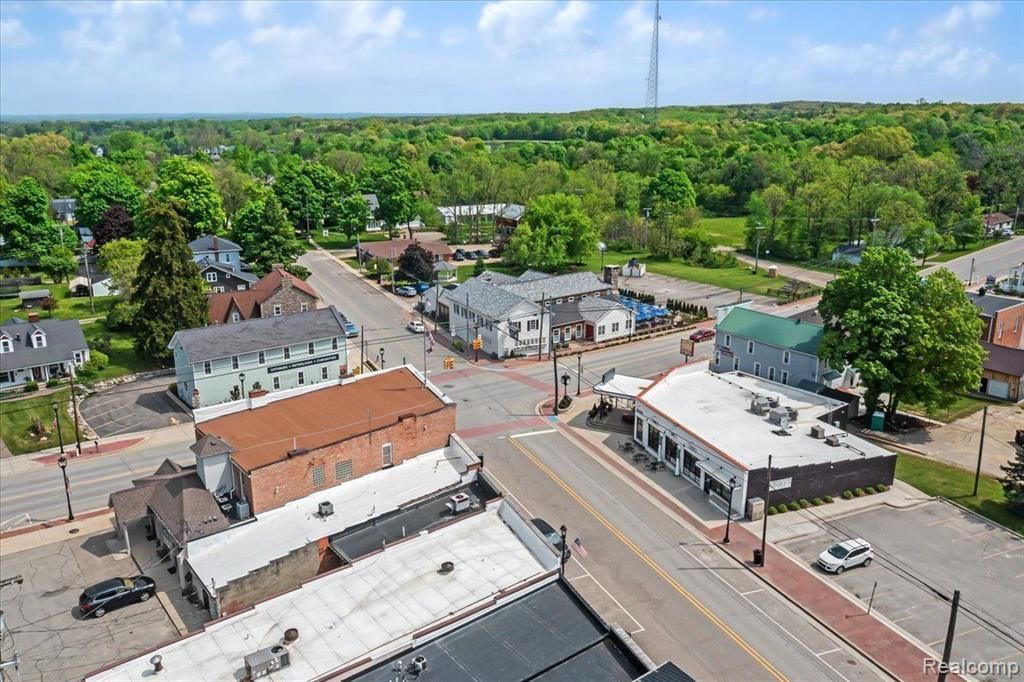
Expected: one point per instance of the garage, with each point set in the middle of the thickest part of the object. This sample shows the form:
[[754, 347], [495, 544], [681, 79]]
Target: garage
[[1002, 372], [998, 389]]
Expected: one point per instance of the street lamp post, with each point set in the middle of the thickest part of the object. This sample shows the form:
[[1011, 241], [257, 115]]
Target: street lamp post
[[62, 462], [56, 417], [241, 380], [382, 358], [767, 502], [579, 371], [728, 510], [565, 384], [602, 247], [759, 228]]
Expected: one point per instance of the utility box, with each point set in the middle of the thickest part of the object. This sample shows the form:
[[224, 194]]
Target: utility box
[[878, 421], [266, 661], [755, 509], [773, 270]]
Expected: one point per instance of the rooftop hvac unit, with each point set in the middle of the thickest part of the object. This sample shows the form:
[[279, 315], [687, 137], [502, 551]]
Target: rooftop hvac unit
[[325, 509], [242, 510], [782, 412], [773, 401], [759, 405], [459, 502], [818, 431], [265, 661], [833, 441]]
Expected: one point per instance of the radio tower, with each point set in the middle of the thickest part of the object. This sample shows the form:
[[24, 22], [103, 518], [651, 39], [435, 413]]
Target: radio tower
[[652, 71]]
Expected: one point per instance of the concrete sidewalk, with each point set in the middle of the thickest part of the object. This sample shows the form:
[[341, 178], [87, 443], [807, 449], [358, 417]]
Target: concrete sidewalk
[[875, 638]]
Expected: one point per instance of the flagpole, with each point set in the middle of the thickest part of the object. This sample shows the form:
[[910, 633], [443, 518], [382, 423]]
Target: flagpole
[[425, 332]]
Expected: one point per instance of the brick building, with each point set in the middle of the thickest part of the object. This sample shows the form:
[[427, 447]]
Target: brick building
[[1003, 317], [288, 448], [276, 293]]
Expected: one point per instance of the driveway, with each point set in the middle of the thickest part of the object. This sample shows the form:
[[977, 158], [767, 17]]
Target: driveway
[[706, 295], [133, 407], [53, 641], [921, 555]]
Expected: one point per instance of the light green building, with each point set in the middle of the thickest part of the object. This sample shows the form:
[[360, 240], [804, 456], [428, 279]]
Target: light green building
[[216, 364]]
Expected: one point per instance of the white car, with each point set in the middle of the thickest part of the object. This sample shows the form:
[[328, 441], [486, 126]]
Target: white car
[[844, 555], [415, 326]]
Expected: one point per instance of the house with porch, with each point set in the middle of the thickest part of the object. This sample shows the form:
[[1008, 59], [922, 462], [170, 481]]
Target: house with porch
[[39, 350]]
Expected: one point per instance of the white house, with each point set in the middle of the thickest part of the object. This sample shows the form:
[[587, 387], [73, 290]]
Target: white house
[[998, 225], [39, 350]]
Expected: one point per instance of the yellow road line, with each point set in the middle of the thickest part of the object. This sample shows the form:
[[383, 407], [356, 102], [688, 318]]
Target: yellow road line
[[653, 564]]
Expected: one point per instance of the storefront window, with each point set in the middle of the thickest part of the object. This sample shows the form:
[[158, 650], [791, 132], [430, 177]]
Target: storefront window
[[715, 486], [639, 433], [671, 451], [653, 436], [690, 465]]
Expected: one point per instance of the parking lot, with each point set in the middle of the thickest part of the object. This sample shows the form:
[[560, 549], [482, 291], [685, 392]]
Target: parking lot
[[662, 287], [52, 639], [928, 551], [133, 407]]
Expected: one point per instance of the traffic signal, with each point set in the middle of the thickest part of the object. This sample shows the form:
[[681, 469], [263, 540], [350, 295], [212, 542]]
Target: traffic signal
[[478, 343], [449, 362]]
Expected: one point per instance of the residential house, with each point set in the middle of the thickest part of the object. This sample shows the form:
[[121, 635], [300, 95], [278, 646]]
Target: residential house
[[849, 254], [373, 223], [779, 349], [39, 350], [220, 278], [1002, 372], [591, 318], [998, 225], [33, 298], [507, 312], [1003, 317], [717, 430], [276, 293], [63, 209], [393, 249], [91, 279], [216, 364], [507, 221]]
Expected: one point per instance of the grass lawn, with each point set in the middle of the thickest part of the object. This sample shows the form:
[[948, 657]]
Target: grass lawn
[[726, 231], [936, 478], [123, 359], [76, 307], [963, 407], [18, 416], [338, 240], [947, 256], [736, 277]]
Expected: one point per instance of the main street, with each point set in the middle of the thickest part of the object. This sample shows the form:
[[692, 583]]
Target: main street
[[993, 260]]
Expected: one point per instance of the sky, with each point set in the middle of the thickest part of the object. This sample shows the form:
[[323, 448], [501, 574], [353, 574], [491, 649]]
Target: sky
[[258, 56]]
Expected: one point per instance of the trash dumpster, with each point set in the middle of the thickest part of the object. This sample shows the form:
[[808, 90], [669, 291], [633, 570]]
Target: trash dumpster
[[878, 421], [758, 557]]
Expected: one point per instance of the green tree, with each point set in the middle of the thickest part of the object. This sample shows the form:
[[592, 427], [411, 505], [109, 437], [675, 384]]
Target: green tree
[[25, 223], [234, 187], [120, 259], [265, 235], [561, 218], [349, 215], [100, 185], [115, 223], [416, 262], [535, 247], [479, 267], [894, 327], [169, 293], [885, 143], [59, 263], [1013, 480], [395, 186], [192, 185], [671, 191]]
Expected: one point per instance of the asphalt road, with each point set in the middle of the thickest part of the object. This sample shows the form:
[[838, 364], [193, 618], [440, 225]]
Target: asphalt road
[[994, 260]]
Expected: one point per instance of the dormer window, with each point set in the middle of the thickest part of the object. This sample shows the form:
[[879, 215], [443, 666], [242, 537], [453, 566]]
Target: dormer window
[[5, 345], [38, 339]]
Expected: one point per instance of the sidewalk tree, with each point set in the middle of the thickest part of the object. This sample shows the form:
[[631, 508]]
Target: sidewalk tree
[[262, 230], [100, 185], [114, 224], [192, 185], [169, 292], [417, 262], [1013, 480], [909, 339]]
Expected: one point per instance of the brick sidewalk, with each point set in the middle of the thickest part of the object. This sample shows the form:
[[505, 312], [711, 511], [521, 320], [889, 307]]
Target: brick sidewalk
[[887, 647]]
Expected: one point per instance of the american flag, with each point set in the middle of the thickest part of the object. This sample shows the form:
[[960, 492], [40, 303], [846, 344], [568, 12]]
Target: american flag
[[577, 546], [430, 342]]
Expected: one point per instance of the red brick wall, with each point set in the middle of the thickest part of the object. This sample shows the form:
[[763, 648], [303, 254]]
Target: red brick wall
[[1008, 318], [274, 485]]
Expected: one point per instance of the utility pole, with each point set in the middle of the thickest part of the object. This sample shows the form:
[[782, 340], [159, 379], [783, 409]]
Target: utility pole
[[579, 371], [468, 341], [554, 366], [759, 228], [540, 340], [767, 502], [74, 410], [981, 448], [362, 347], [476, 335], [88, 278], [970, 277], [425, 332], [947, 649]]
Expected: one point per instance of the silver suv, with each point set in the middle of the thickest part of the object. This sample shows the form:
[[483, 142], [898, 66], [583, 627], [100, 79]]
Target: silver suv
[[846, 554]]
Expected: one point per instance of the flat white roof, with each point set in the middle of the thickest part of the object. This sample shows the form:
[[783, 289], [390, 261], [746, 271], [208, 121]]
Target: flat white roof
[[716, 409], [222, 557], [622, 386], [365, 610]]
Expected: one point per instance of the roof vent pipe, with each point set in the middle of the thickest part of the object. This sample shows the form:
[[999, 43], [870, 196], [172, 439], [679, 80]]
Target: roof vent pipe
[[290, 635], [446, 567]]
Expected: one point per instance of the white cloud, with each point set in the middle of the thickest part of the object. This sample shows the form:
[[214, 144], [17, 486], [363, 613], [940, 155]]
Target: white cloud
[[126, 29], [14, 34], [510, 26], [257, 11], [968, 62], [638, 21], [205, 12], [968, 16], [452, 36], [761, 13], [230, 57]]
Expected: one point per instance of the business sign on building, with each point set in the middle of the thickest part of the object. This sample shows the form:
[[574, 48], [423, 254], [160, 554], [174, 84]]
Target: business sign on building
[[781, 483], [302, 363]]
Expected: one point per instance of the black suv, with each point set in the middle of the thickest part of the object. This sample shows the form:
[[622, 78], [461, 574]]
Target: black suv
[[115, 593]]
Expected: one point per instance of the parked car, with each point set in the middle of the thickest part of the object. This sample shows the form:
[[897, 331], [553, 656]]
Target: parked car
[[702, 335], [553, 537], [405, 291], [415, 326], [351, 330], [846, 554], [494, 253], [112, 594], [459, 254], [478, 254], [420, 287]]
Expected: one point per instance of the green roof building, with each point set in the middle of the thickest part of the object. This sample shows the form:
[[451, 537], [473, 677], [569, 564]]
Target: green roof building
[[776, 348]]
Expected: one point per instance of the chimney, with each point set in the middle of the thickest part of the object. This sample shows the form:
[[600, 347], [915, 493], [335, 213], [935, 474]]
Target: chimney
[[216, 244]]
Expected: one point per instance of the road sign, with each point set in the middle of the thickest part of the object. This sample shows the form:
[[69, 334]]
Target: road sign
[[686, 347]]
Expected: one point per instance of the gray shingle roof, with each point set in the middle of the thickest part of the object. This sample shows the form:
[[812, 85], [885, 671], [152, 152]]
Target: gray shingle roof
[[187, 508], [1004, 360], [494, 277], [249, 336], [990, 305], [205, 264], [489, 300], [557, 286], [63, 205], [206, 243], [371, 202], [63, 338], [593, 308]]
